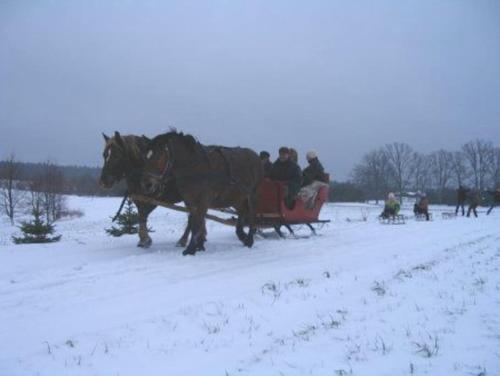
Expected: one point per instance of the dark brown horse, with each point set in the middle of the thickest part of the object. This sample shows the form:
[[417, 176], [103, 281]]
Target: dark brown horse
[[206, 177], [124, 158]]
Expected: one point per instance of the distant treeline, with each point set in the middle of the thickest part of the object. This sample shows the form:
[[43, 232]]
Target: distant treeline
[[398, 168], [351, 192], [77, 180]]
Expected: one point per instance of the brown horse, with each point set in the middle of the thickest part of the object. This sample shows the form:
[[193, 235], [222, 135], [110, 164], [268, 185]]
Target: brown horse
[[206, 177], [124, 158]]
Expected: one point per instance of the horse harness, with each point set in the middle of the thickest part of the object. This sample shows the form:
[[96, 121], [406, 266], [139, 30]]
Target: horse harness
[[166, 173]]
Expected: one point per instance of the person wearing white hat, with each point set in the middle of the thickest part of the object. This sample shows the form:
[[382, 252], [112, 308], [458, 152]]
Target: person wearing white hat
[[315, 170]]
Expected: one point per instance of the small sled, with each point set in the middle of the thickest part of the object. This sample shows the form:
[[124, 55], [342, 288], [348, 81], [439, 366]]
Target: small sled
[[422, 217], [448, 215], [398, 219]]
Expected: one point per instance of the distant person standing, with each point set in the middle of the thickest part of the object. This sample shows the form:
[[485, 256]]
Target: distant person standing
[[474, 201], [495, 195], [461, 198]]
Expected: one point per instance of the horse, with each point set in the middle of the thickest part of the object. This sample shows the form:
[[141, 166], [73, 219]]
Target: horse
[[124, 159], [206, 177]]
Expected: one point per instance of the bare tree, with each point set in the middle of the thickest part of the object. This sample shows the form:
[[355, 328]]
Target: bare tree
[[420, 167], [400, 158], [373, 174], [46, 191], [441, 163], [459, 167], [495, 168], [10, 196], [36, 194], [479, 157]]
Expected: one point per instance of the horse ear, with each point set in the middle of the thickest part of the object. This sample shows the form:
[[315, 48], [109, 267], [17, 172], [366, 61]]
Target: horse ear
[[106, 138], [119, 139]]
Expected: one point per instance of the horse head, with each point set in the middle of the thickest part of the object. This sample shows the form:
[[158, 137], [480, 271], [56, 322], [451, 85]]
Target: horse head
[[122, 155], [167, 155]]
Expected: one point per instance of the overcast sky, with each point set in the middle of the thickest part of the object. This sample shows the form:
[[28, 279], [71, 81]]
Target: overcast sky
[[340, 77]]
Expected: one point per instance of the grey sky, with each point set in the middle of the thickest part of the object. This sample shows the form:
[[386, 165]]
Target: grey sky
[[341, 77]]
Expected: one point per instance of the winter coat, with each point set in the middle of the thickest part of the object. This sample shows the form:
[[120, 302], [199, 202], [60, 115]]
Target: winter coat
[[462, 194], [423, 204], [286, 171], [495, 195], [474, 198], [313, 172], [267, 166], [393, 204]]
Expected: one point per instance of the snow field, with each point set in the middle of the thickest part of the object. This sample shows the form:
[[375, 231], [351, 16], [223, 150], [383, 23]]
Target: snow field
[[361, 298]]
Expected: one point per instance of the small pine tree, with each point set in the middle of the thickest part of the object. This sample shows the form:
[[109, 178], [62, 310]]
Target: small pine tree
[[128, 222], [36, 231]]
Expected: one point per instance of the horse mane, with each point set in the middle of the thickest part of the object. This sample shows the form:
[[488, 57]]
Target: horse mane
[[133, 146], [188, 140]]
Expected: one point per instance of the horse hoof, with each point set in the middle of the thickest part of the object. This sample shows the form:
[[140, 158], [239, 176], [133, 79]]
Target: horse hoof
[[145, 243], [188, 252], [249, 242]]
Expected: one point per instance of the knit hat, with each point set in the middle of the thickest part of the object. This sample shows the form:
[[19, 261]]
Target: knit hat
[[391, 196], [284, 149], [311, 155]]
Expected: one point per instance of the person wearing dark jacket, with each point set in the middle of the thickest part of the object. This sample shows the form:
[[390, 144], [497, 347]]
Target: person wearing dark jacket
[[266, 163], [474, 201], [288, 172], [315, 170], [294, 156], [461, 198], [495, 195], [422, 206]]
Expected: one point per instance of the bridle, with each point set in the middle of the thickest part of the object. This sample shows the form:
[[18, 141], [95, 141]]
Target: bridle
[[164, 166]]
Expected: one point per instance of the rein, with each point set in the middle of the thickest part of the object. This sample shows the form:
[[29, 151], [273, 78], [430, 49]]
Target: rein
[[125, 196]]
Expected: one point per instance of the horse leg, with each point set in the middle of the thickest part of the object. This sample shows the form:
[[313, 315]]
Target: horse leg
[[197, 218], [184, 238], [252, 229], [182, 242], [143, 211], [239, 229], [203, 238]]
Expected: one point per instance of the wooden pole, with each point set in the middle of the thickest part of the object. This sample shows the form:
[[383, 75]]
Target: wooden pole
[[152, 201]]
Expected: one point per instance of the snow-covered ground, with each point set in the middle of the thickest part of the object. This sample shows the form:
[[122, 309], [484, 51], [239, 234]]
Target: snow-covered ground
[[361, 298]]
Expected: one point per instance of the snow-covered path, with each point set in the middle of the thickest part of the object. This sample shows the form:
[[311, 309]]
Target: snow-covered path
[[361, 298]]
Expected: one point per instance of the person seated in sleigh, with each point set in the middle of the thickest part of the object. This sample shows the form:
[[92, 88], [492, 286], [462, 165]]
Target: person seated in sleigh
[[391, 207], [313, 178], [421, 207], [267, 165], [287, 171]]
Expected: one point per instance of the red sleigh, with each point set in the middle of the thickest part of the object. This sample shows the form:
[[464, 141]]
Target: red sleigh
[[272, 211]]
